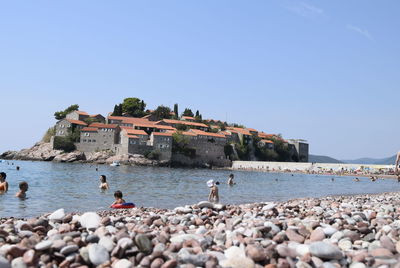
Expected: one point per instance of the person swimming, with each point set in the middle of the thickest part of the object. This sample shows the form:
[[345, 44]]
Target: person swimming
[[118, 198], [3, 183], [23, 188], [356, 180], [333, 179], [103, 183]]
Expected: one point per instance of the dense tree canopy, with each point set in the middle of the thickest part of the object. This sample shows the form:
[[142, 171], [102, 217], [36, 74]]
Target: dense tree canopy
[[133, 107], [187, 112], [62, 114], [162, 112]]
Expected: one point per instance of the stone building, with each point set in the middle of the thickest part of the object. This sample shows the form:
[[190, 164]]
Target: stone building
[[162, 144], [77, 115], [99, 137], [65, 126], [268, 144], [240, 135], [300, 149], [133, 141]]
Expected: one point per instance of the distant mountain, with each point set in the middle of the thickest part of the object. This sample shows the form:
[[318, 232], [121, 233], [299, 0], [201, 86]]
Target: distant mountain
[[312, 158], [373, 161]]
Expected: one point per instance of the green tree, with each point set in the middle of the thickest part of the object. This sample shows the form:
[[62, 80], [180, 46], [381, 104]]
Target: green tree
[[181, 127], [187, 112], [162, 112], [62, 114], [133, 107], [198, 116], [117, 110], [176, 111], [180, 144]]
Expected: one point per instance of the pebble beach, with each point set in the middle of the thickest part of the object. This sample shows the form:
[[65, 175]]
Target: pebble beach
[[338, 231]]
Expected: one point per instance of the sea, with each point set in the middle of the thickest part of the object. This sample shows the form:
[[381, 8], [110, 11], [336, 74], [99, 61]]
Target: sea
[[75, 187]]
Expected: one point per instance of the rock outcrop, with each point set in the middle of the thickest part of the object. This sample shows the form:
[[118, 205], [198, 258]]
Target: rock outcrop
[[42, 151]]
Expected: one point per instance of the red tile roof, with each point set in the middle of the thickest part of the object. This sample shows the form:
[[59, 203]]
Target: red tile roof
[[133, 137], [186, 133], [81, 112], [252, 129], [267, 141], [239, 130], [101, 125], [209, 134], [176, 122], [77, 122], [135, 132], [89, 129], [162, 134], [129, 120], [165, 127], [188, 117]]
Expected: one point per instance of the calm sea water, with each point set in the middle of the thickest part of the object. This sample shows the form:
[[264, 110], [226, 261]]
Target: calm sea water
[[74, 187]]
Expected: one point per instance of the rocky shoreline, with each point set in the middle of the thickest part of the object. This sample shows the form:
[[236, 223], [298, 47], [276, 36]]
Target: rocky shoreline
[[340, 231], [43, 152]]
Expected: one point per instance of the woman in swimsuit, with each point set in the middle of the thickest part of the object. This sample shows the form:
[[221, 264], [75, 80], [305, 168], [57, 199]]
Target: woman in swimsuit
[[103, 183], [3, 183]]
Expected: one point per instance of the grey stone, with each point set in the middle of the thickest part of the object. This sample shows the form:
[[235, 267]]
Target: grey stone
[[143, 243], [4, 263], [107, 242], [18, 263], [44, 245], [92, 238], [69, 249], [98, 254], [123, 263], [325, 251]]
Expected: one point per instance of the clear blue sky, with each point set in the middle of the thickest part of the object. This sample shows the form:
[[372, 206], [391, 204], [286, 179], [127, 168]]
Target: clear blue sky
[[324, 71]]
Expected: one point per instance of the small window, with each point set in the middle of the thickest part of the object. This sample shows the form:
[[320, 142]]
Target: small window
[[83, 140], [89, 140], [93, 140]]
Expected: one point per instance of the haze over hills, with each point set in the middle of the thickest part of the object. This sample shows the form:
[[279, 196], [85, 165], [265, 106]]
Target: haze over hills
[[378, 161], [322, 159], [372, 161]]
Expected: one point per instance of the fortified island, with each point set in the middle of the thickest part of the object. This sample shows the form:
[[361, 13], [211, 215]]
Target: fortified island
[[160, 136]]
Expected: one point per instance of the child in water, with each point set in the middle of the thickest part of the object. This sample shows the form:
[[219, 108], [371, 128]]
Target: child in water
[[118, 198], [3, 183], [214, 195], [23, 188], [103, 183]]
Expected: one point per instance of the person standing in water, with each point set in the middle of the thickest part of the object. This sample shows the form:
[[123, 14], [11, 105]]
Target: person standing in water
[[103, 183], [396, 165], [23, 188], [230, 179], [3, 183], [213, 196]]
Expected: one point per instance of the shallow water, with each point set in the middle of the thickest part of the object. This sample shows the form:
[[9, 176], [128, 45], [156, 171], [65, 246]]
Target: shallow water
[[74, 187]]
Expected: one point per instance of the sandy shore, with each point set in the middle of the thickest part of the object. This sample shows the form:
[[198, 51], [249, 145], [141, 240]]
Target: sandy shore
[[339, 231]]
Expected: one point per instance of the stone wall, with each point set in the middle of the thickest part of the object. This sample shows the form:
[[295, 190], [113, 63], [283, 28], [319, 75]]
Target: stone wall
[[198, 161]]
